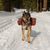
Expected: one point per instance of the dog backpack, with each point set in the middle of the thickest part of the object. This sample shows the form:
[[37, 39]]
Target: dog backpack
[[33, 21]]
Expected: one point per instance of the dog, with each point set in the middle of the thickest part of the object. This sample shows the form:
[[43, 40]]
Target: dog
[[26, 21], [26, 25]]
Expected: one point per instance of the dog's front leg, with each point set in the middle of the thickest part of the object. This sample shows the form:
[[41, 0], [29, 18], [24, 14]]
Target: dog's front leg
[[23, 37], [28, 35]]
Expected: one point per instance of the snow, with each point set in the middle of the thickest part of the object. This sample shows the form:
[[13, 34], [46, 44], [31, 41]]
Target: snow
[[11, 33]]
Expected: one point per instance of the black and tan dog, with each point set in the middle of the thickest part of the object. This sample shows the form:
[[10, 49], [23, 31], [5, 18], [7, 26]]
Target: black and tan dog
[[26, 21], [26, 25]]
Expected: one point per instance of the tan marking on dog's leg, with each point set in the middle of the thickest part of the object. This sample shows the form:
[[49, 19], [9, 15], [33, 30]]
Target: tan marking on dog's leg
[[23, 43], [29, 32], [23, 34]]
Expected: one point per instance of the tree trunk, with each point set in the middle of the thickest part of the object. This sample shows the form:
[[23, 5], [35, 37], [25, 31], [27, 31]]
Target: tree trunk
[[40, 5], [7, 5], [45, 4], [37, 5]]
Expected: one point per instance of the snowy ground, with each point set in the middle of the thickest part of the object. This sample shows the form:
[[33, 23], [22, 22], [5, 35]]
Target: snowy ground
[[10, 32]]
